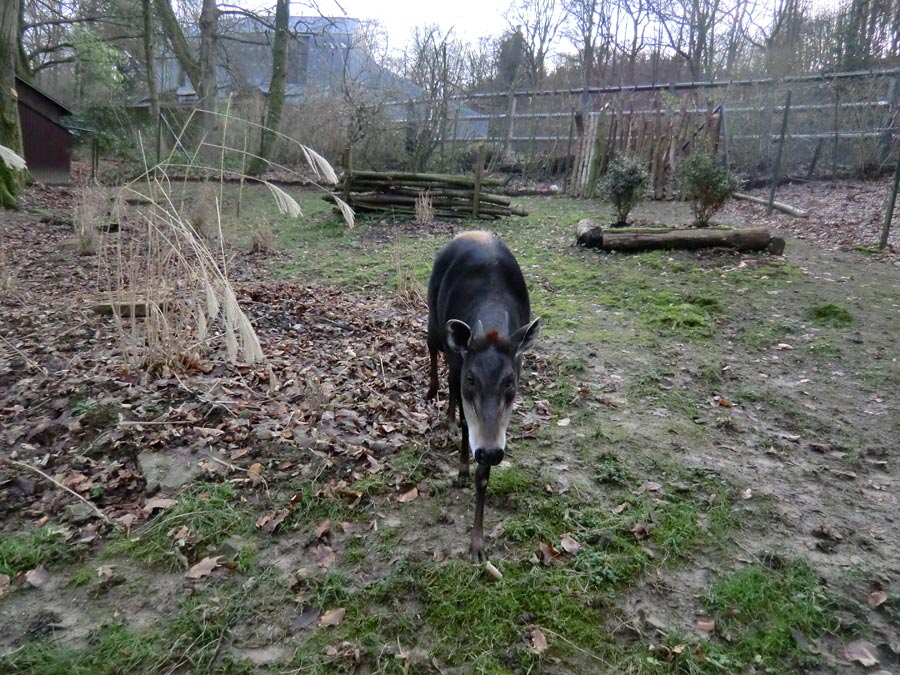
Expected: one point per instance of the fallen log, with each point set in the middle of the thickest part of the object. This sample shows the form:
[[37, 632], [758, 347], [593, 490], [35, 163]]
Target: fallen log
[[650, 239], [780, 206]]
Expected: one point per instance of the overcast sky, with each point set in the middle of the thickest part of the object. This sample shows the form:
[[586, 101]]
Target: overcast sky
[[472, 19]]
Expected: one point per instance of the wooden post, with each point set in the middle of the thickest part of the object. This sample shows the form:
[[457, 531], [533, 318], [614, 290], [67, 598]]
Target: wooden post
[[815, 159], [158, 137], [890, 123], [723, 129], [776, 170], [479, 174], [889, 207], [511, 123], [834, 146], [346, 162]]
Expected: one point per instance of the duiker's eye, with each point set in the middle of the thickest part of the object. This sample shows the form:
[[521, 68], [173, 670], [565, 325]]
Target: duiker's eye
[[470, 380], [510, 383]]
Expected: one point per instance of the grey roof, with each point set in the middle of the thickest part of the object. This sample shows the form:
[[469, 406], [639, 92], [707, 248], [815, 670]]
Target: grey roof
[[322, 56]]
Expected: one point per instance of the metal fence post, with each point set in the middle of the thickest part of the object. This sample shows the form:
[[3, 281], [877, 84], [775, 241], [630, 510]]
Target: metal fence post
[[776, 170]]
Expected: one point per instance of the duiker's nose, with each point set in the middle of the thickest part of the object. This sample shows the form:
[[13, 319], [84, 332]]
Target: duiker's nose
[[489, 457]]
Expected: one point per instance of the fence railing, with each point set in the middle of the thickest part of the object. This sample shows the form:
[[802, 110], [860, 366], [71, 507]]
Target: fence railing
[[856, 111]]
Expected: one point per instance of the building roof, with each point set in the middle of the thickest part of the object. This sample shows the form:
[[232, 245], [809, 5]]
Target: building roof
[[44, 97]]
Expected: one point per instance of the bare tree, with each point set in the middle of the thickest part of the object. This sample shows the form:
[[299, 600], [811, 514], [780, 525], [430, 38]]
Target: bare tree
[[690, 28], [539, 22], [435, 61]]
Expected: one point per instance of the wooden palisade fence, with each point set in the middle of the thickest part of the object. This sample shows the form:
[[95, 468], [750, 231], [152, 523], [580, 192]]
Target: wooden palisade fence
[[658, 139]]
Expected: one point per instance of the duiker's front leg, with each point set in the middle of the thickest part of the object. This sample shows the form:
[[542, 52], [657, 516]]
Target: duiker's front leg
[[482, 474], [462, 478]]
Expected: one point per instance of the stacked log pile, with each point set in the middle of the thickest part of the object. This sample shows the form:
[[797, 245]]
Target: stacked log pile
[[396, 193]]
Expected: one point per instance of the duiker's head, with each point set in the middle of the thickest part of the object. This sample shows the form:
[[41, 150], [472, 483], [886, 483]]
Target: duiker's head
[[489, 381]]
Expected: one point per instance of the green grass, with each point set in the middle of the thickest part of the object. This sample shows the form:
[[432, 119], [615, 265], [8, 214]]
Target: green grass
[[210, 512], [830, 314], [24, 551], [111, 650], [759, 606]]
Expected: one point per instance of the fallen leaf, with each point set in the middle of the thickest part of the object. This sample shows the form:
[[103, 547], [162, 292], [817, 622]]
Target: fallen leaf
[[725, 403], [255, 469], [333, 617], [650, 486], [548, 554], [204, 567], [569, 545], [355, 528], [408, 496], [37, 577], [323, 529], [862, 652], [4, 583], [783, 347], [641, 530], [538, 641], [564, 422], [270, 521], [706, 626], [182, 533], [619, 508], [237, 454], [307, 617], [746, 494], [158, 503], [877, 599], [322, 555], [206, 432], [127, 520]]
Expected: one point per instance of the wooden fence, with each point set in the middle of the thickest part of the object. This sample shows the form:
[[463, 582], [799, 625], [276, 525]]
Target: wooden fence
[[840, 123]]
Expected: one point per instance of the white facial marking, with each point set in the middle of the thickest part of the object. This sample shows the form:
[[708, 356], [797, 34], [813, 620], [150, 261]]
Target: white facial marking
[[479, 435]]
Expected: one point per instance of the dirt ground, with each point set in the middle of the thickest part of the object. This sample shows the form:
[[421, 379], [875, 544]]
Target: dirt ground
[[799, 416]]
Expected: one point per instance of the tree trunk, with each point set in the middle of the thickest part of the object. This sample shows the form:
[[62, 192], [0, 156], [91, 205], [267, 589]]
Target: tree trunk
[[150, 61], [209, 16], [201, 72], [11, 181], [275, 100], [23, 67]]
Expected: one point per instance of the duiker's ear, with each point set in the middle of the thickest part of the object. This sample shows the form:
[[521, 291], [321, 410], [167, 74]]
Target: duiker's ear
[[458, 335], [525, 337]]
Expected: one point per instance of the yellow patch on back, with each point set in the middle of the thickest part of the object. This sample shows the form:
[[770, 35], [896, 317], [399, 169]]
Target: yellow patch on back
[[480, 236]]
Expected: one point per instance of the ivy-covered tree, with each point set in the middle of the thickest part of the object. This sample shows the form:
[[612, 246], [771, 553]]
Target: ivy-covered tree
[[11, 180]]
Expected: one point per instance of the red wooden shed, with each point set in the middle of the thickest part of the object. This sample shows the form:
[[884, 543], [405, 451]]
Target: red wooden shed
[[47, 143]]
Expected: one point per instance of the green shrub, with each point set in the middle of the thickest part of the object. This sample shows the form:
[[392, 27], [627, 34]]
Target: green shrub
[[624, 185], [705, 184]]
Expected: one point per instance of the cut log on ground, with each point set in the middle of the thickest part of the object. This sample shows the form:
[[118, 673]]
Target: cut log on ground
[[636, 240], [786, 208]]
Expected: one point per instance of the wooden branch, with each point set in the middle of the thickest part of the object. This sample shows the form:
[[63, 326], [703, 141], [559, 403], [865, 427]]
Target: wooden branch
[[72, 492], [780, 206]]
